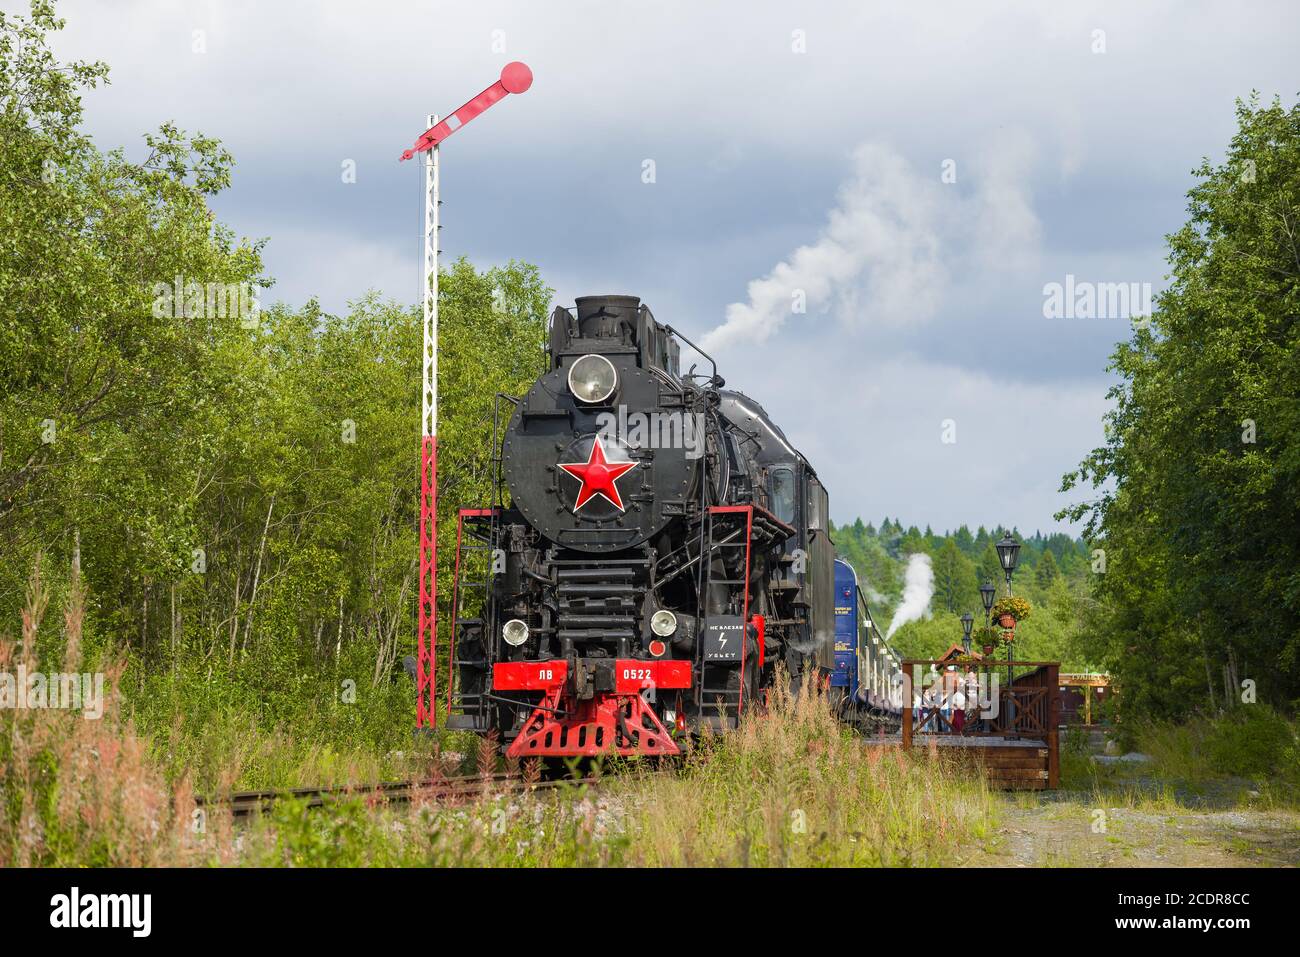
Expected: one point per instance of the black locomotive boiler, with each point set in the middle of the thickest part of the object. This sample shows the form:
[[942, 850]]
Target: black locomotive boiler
[[661, 549]]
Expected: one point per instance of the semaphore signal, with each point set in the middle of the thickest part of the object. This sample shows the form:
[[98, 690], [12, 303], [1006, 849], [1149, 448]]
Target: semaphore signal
[[516, 77]]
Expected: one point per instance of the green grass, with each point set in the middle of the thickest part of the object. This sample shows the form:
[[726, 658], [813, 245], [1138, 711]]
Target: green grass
[[791, 788]]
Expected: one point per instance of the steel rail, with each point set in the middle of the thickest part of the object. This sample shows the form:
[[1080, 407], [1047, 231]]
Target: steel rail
[[444, 790]]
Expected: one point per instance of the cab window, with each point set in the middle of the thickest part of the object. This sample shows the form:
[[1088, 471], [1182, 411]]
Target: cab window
[[816, 505], [783, 493]]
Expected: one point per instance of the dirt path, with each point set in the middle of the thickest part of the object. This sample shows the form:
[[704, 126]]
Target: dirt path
[[1074, 832]]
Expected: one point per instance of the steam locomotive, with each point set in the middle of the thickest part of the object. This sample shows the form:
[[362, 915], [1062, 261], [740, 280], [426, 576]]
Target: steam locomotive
[[662, 548]]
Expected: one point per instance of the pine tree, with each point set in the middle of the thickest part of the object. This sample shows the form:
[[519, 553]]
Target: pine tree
[[954, 577], [989, 568], [964, 539], [1047, 571]]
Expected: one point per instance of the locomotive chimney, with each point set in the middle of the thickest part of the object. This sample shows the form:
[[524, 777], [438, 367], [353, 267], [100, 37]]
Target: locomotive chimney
[[600, 316]]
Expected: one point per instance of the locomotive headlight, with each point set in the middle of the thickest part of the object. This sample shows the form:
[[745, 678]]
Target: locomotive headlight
[[663, 623], [592, 378], [515, 632]]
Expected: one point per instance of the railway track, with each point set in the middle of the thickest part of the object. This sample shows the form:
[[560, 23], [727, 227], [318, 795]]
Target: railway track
[[455, 790]]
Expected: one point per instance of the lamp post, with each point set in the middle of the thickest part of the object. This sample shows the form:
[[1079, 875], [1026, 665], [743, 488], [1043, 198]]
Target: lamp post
[[967, 620], [987, 591], [1008, 555]]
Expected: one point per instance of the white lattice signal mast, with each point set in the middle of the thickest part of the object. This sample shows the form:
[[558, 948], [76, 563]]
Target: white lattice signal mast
[[515, 78]]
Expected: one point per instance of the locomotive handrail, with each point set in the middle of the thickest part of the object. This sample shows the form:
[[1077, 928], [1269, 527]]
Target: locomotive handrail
[[673, 332], [659, 583], [768, 516]]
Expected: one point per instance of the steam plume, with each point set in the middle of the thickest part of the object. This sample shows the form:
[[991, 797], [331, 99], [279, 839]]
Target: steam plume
[[918, 588], [891, 244]]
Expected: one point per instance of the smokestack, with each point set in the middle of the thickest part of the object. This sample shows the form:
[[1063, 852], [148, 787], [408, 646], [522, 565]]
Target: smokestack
[[600, 316]]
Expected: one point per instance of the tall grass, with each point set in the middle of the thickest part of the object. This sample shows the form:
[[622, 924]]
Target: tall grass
[[1251, 741], [792, 787], [75, 790]]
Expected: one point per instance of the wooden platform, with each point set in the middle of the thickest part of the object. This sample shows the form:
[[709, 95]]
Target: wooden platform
[[1012, 764], [1016, 746]]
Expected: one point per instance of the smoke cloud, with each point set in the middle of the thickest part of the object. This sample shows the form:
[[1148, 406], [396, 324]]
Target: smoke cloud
[[893, 243], [918, 589]]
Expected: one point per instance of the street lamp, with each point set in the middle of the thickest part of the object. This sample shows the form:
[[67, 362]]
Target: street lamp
[[987, 591], [967, 620], [1008, 556]]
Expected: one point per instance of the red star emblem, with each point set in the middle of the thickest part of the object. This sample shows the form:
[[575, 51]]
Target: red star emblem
[[597, 476]]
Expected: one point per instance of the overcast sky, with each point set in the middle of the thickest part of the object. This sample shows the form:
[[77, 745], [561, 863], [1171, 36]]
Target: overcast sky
[[799, 150]]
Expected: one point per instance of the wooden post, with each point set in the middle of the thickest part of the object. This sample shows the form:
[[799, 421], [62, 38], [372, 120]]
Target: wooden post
[[908, 671], [1053, 719]]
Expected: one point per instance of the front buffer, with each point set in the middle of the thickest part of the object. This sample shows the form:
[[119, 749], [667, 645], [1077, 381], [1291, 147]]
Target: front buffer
[[598, 707]]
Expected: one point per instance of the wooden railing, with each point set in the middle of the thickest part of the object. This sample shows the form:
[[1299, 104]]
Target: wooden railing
[[1026, 708]]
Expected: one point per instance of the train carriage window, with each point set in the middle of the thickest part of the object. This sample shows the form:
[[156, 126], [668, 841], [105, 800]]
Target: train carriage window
[[783, 493]]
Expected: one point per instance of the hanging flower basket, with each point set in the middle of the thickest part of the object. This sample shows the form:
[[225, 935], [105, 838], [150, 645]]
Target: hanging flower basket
[[988, 638], [1010, 610]]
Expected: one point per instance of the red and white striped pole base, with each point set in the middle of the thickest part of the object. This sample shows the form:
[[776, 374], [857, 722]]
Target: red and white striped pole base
[[427, 682]]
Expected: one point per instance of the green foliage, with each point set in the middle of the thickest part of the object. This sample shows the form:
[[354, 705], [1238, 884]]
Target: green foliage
[[1197, 489], [1047, 571], [990, 569], [1252, 741], [954, 576], [241, 489], [927, 638]]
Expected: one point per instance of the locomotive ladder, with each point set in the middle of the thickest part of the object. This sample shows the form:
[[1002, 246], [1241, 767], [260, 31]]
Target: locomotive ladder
[[471, 557], [722, 523], [476, 541]]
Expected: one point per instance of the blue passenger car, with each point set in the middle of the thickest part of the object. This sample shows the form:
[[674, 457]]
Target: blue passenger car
[[866, 668], [845, 674]]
